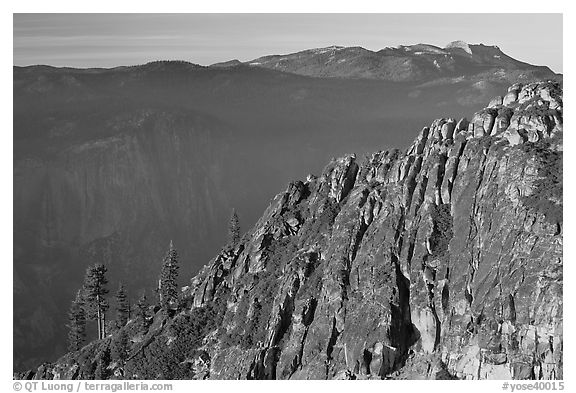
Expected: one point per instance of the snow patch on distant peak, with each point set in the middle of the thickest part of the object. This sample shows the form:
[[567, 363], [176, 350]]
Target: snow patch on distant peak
[[421, 49], [320, 51], [460, 44]]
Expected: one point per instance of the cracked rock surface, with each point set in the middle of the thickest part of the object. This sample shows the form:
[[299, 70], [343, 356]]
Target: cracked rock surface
[[441, 262]]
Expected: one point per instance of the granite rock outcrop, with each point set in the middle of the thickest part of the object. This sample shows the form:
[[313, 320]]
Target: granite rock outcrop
[[440, 262]]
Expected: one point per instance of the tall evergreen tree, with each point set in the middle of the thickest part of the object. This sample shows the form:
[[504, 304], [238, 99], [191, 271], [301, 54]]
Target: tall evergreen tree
[[119, 347], [142, 311], [95, 292], [77, 325], [234, 229], [102, 364], [168, 281], [122, 307], [100, 372]]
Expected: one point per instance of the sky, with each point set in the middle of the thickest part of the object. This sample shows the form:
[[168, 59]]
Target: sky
[[109, 40]]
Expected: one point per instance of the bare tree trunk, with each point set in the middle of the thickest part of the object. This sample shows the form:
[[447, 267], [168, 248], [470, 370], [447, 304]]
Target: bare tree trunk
[[99, 317]]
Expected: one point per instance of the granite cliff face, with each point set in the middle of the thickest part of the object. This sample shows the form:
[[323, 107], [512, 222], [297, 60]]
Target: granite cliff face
[[444, 261]]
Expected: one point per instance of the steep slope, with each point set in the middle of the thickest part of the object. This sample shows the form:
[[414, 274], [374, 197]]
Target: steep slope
[[110, 164], [97, 201], [420, 62], [444, 261]]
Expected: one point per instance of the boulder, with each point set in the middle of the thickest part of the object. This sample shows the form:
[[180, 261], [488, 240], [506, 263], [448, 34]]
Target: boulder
[[533, 136], [541, 123], [527, 92], [502, 121], [462, 124], [551, 93], [495, 102], [484, 121], [448, 129], [479, 131], [510, 98], [420, 142], [514, 137], [436, 128], [515, 87]]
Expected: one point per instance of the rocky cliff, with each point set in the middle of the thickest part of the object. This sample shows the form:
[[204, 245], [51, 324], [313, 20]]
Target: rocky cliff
[[443, 261]]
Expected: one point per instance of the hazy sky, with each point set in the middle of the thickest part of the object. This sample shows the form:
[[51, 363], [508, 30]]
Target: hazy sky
[[108, 40]]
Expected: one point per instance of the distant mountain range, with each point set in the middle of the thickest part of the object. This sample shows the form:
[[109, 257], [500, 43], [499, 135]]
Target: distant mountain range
[[112, 164], [413, 63]]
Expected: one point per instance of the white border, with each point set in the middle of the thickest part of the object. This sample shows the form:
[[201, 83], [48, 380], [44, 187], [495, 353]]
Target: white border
[[245, 6]]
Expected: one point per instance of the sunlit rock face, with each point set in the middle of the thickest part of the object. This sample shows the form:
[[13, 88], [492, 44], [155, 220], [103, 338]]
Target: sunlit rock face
[[443, 261]]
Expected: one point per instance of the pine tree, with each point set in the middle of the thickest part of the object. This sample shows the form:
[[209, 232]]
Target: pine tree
[[142, 311], [100, 372], [122, 307], [102, 363], [77, 318], [234, 229], [94, 294], [167, 284], [120, 347]]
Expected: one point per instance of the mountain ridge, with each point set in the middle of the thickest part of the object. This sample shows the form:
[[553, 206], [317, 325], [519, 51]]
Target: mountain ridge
[[402, 63], [475, 51]]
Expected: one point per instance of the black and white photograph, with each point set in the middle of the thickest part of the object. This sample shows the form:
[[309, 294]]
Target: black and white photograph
[[287, 196]]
